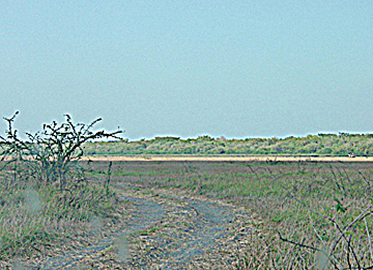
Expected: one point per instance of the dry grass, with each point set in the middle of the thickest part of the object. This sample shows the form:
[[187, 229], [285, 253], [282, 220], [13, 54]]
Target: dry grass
[[304, 215], [316, 207], [38, 220]]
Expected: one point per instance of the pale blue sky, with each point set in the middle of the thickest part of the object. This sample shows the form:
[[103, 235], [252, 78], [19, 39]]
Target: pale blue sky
[[186, 68]]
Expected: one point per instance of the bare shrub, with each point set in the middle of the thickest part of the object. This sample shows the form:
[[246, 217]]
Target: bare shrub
[[49, 155]]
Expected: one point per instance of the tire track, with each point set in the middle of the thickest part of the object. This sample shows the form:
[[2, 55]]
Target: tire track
[[145, 213], [180, 231]]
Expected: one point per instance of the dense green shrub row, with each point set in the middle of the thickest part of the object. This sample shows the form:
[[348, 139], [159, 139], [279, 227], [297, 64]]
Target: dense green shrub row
[[322, 144]]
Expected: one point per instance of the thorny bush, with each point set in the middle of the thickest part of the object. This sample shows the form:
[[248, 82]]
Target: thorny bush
[[50, 155]]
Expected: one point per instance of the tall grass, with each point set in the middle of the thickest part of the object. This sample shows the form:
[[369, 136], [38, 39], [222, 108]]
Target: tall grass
[[35, 219]]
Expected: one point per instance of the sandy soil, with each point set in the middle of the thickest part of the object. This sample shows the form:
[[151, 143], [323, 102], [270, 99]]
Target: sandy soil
[[217, 159]]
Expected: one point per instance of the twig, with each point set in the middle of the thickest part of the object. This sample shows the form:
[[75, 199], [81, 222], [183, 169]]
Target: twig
[[370, 240], [297, 244], [361, 216], [348, 252], [349, 247], [253, 171]]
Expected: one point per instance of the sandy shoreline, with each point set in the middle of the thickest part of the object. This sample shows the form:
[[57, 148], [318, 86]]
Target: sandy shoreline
[[217, 159]]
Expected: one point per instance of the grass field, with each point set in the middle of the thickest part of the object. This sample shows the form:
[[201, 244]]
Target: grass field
[[310, 204], [304, 215]]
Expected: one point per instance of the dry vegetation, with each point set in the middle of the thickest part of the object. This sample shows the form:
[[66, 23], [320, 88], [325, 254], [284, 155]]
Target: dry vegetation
[[308, 215], [302, 215], [59, 212], [46, 198]]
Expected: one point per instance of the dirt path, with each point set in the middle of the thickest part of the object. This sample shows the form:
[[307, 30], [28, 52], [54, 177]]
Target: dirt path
[[219, 159], [164, 231], [143, 213]]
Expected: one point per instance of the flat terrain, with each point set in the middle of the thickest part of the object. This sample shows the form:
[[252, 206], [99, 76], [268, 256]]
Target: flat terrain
[[184, 213]]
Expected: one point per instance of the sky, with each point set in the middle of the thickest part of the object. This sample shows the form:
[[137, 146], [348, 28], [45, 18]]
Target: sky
[[234, 68]]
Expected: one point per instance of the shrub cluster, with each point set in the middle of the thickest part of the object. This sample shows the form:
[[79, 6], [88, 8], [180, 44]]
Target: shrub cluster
[[311, 145]]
